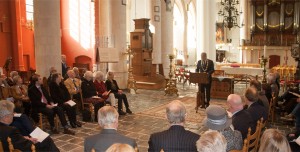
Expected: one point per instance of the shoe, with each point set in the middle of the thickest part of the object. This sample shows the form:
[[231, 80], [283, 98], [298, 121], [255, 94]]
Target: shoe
[[128, 111], [121, 112], [54, 131], [68, 131], [73, 124], [78, 124]]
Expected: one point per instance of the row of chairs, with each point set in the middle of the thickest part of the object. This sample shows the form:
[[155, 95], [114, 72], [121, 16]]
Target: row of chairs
[[11, 146]]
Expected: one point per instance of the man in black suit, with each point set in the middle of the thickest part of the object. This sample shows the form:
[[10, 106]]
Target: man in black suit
[[64, 67], [176, 138], [20, 142], [42, 102], [207, 66], [241, 119], [256, 110], [108, 120]]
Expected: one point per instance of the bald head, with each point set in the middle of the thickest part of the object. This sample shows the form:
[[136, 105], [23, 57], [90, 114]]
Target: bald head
[[176, 112], [235, 103]]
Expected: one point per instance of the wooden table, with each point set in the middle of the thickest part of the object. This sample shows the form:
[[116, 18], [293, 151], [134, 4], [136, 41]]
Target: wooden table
[[221, 87]]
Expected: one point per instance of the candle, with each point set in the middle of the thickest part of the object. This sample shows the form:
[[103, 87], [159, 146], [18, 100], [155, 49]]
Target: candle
[[265, 47]]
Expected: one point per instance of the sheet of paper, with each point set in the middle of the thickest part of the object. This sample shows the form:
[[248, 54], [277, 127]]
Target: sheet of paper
[[17, 114], [39, 134], [71, 103], [95, 97], [54, 105], [298, 140]]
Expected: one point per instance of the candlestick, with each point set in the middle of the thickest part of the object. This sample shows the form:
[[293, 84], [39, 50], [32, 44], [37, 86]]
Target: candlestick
[[265, 47]]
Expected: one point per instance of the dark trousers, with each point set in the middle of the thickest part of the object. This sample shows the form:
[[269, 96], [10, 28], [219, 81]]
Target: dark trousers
[[50, 113], [121, 97], [205, 89], [70, 111], [24, 124], [97, 106], [47, 145]]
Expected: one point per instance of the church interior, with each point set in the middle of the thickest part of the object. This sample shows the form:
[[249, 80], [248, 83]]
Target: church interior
[[154, 47]]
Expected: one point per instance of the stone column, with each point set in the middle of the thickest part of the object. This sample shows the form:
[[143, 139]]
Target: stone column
[[156, 54], [244, 32], [47, 36], [104, 28], [206, 28], [166, 36], [118, 20]]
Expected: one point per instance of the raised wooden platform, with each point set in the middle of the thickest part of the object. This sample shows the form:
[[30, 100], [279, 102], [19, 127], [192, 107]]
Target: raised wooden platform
[[150, 82]]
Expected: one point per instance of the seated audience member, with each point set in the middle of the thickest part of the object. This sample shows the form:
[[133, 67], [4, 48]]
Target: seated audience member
[[60, 95], [112, 85], [73, 85], [120, 148], [108, 120], [76, 72], [273, 140], [89, 92], [176, 138], [24, 124], [42, 103], [262, 98], [211, 141], [256, 110], [20, 95], [101, 89], [3, 82], [271, 80], [19, 142], [64, 66], [217, 119], [241, 119], [10, 80], [52, 70]]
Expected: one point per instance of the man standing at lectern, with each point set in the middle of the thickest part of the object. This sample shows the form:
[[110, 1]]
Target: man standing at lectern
[[207, 66]]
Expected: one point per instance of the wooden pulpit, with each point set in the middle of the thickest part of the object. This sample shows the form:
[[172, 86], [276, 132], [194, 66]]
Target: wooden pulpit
[[200, 78]]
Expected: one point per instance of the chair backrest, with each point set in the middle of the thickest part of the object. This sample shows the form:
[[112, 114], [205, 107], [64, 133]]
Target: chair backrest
[[11, 146], [253, 139], [1, 147], [45, 84], [6, 92]]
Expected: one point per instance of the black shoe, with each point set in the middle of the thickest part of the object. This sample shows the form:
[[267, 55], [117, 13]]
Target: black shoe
[[68, 131], [73, 124], [121, 112], [128, 111], [54, 131], [78, 124], [203, 106]]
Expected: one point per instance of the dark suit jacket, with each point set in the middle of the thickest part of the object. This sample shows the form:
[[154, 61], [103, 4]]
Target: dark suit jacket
[[241, 121], [19, 142], [88, 89], [210, 68], [102, 141], [59, 93], [109, 86], [175, 139], [35, 97], [64, 69], [257, 111]]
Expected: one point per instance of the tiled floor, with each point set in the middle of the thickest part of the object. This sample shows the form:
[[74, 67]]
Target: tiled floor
[[138, 125]]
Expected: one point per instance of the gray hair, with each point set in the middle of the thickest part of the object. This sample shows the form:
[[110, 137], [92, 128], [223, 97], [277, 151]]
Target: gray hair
[[16, 79], [211, 141], [107, 115], [176, 112], [13, 73], [6, 108], [272, 140], [88, 74], [99, 74], [75, 69]]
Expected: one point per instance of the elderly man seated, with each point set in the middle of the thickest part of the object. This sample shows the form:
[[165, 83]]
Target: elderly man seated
[[20, 142], [108, 120], [176, 138]]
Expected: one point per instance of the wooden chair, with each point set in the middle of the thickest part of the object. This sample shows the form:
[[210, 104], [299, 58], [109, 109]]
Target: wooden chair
[[272, 109], [12, 149], [56, 121], [253, 139], [45, 84], [1, 147], [6, 92], [89, 105]]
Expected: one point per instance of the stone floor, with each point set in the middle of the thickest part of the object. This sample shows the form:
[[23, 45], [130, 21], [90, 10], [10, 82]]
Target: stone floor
[[137, 125]]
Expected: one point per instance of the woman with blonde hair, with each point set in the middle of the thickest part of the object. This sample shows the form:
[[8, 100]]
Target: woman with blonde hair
[[117, 147], [273, 140], [211, 141]]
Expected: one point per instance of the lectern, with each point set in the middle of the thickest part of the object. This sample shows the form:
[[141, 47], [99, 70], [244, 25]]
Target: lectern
[[200, 78]]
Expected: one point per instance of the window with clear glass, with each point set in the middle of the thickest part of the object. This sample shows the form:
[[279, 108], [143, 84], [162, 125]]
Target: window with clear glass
[[29, 10]]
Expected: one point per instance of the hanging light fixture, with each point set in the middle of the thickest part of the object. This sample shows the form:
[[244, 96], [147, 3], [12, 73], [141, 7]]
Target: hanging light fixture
[[230, 13]]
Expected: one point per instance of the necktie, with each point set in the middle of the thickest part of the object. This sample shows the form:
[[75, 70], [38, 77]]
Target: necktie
[[44, 100], [75, 84]]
